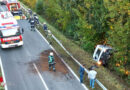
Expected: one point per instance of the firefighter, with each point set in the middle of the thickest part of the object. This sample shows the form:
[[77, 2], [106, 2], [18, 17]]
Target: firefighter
[[49, 36], [36, 19], [20, 12], [81, 71], [32, 23], [30, 12], [45, 28], [51, 61]]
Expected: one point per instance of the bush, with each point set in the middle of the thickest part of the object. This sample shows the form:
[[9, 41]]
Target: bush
[[39, 7]]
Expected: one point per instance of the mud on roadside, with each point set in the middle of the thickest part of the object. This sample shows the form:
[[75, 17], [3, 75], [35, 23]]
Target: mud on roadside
[[42, 64]]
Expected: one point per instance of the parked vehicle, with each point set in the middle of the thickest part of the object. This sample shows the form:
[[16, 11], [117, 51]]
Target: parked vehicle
[[10, 35], [15, 9]]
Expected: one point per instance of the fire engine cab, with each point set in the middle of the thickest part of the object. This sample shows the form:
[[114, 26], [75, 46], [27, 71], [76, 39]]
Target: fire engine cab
[[10, 35], [102, 54]]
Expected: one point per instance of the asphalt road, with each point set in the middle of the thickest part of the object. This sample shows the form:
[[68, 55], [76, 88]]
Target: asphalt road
[[17, 69]]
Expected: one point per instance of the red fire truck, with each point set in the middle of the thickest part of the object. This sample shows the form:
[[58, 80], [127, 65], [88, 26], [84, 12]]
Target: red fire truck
[[14, 7], [10, 35]]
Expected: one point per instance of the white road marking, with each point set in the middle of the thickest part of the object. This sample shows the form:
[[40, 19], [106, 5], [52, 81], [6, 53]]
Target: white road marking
[[63, 61], [43, 81], [3, 74]]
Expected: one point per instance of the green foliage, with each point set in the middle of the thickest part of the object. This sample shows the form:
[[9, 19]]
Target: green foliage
[[119, 21], [39, 7]]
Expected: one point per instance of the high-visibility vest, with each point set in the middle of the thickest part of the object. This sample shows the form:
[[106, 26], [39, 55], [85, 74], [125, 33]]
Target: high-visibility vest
[[51, 59]]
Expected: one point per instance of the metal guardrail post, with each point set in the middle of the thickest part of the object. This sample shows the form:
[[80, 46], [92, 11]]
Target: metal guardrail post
[[98, 82]]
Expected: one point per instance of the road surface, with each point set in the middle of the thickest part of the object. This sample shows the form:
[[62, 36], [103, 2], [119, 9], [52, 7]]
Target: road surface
[[18, 72]]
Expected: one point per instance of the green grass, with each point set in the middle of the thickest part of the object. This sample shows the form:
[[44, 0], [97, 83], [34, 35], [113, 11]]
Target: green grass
[[104, 75]]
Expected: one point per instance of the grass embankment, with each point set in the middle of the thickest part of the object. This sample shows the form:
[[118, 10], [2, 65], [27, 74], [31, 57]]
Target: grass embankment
[[104, 75]]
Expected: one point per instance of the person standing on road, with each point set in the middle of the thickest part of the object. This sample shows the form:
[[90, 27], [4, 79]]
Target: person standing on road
[[22, 31], [81, 71], [32, 23], [51, 61], [36, 19], [92, 75]]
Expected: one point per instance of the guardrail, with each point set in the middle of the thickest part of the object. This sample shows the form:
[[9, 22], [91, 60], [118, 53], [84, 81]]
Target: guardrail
[[98, 82]]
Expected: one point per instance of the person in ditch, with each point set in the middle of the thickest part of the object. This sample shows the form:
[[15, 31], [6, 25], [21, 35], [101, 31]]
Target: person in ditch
[[51, 61]]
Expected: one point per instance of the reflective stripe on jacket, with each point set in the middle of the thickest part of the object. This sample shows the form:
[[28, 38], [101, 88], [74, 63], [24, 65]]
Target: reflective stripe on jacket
[[51, 59]]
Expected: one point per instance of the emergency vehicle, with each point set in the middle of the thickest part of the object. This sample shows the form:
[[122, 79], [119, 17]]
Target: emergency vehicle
[[14, 7], [10, 35], [102, 54]]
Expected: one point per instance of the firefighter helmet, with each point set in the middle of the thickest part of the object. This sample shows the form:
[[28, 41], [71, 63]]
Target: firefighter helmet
[[51, 53]]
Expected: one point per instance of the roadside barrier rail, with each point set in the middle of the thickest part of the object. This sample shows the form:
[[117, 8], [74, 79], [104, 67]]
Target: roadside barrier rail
[[97, 81]]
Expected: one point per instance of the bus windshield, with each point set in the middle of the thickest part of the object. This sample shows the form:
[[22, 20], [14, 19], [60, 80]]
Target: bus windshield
[[9, 33]]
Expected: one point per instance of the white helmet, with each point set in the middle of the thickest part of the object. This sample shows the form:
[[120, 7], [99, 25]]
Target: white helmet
[[44, 23], [51, 53]]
